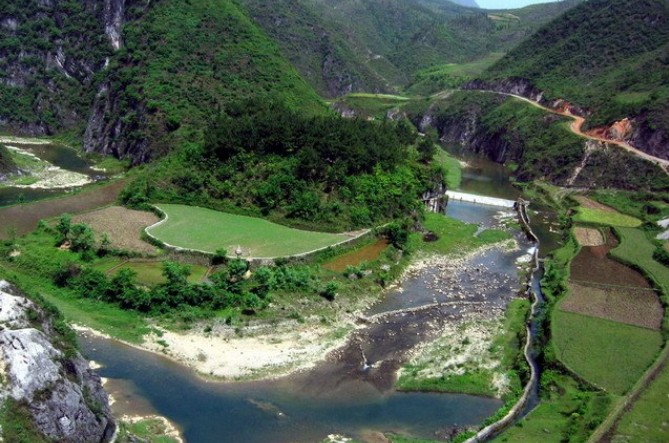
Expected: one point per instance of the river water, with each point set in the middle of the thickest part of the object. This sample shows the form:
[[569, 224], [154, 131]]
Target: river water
[[59, 155], [351, 392]]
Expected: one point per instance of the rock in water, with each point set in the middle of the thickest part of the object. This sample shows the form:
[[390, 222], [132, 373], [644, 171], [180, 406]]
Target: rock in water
[[66, 400]]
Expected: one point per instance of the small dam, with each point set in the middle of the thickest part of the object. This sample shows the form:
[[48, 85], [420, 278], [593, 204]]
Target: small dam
[[480, 199]]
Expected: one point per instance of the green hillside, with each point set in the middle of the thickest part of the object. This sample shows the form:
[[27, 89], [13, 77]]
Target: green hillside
[[609, 56], [178, 62], [343, 46]]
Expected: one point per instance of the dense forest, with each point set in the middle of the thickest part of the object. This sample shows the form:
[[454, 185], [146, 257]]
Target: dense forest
[[608, 56], [261, 158]]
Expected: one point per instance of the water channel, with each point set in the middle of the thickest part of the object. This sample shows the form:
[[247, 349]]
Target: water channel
[[351, 392]]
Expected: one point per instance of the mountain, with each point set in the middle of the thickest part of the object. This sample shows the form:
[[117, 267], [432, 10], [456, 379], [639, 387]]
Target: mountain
[[343, 46], [608, 58], [468, 3], [134, 78]]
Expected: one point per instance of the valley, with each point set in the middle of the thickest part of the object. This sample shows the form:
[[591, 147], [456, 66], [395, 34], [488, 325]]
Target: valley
[[328, 221]]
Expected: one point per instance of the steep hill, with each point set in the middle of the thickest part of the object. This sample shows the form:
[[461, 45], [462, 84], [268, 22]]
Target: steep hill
[[344, 46], [138, 77], [610, 58]]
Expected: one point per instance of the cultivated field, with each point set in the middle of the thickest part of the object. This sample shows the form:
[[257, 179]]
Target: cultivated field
[[589, 236], [648, 419], [631, 306], [635, 248], [24, 218], [207, 230], [593, 265], [123, 226], [588, 203], [367, 254], [609, 354], [148, 273], [600, 217]]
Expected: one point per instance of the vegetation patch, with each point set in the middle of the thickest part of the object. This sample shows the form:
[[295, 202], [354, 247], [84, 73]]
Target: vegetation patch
[[637, 250], [588, 203], [646, 421], [608, 354], [122, 227], [567, 414], [148, 272], [625, 305], [606, 218], [365, 254], [207, 230]]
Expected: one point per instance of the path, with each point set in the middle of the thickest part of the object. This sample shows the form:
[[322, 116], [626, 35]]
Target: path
[[576, 128]]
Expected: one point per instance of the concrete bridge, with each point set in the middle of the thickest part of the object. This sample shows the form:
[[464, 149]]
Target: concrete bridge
[[480, 199]]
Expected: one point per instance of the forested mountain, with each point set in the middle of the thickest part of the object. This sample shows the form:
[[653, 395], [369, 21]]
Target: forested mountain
[[610, 57], [343, 46], [138, 77]]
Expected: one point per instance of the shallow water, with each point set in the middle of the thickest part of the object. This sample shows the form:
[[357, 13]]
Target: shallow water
[[59, 155], [277, 411]]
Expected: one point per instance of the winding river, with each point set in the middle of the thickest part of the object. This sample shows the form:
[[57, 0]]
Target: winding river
[[351, 392], [58, 155]]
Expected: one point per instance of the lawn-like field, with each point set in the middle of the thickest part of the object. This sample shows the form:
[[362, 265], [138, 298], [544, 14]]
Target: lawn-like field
[[647, 421], [148, 273], [635, 248], [599, 217], [609, 354], [207, 230]]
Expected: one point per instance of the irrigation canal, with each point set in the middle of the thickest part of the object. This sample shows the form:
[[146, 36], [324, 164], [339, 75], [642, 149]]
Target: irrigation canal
[[351, 392]]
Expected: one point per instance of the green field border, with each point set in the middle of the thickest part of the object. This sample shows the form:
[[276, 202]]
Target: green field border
[[303, 255]]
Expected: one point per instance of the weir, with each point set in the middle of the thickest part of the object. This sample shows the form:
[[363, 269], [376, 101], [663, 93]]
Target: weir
[[480, 199]]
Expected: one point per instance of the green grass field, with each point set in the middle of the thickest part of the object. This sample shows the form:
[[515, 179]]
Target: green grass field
[[565, 415], [208, 230], [646, 422], [452, 168], [609, 354], [598, 217], [635, 248], [149, 273]]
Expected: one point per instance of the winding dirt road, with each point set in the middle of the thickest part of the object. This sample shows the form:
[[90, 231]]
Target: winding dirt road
[[576, 128]]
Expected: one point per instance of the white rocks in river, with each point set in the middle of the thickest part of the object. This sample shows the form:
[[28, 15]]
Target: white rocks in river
[[67, 402]]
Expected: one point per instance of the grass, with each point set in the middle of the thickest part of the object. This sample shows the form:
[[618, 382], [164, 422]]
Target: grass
[[451, 75], [636, 249], [150, 430], [451, 166], [208, 230], [454, 236], [148, 273], [599, 217], [608, 354], [566, 414], [151, 273], [646, 420]]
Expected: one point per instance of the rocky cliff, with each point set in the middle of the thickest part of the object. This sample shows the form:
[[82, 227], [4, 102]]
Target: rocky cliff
[[43, 378]]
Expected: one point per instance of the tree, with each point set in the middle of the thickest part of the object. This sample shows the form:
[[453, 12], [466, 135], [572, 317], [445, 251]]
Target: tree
[[220, 257], [63, 227], [82, 238], [426, 149]]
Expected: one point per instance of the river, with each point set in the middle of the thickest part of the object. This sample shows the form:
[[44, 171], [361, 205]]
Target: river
[[59, 155], [352, 392]]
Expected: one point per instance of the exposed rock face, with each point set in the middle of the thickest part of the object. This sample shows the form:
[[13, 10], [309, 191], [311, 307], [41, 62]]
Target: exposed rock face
[[650, 140], [65, 397]]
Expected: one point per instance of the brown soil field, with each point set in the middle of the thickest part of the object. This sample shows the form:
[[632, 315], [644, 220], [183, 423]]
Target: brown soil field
[[366, 254], [593, 265], [638, 307], [124, 227], [23, 218], [589, 236], [591, 204]]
